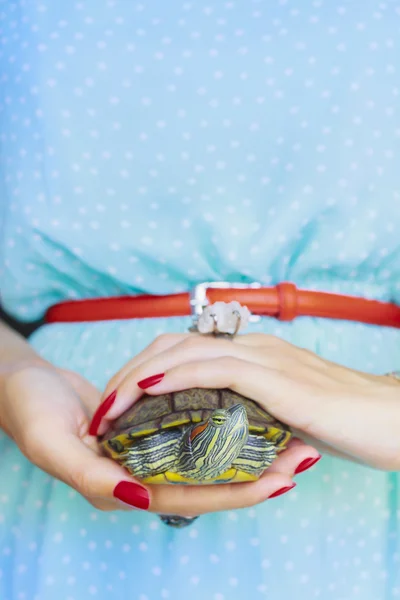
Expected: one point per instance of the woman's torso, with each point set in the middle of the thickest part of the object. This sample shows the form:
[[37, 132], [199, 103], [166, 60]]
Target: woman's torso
[[149, 147]]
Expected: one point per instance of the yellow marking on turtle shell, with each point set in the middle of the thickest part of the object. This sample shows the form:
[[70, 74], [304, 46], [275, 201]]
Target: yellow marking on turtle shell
[[143, 432], [196, 416], [156, 479], [229, 476], [235, 476], [167, 478], [177, 478]]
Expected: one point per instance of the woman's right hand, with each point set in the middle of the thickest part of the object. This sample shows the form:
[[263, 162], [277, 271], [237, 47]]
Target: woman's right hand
[[47, 412]]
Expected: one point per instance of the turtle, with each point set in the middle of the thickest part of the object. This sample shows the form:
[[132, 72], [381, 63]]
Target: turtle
[[193, 437], [199, 435]]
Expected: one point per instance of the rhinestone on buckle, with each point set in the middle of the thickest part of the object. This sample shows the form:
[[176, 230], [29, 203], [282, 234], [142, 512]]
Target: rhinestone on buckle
[[199, 302]]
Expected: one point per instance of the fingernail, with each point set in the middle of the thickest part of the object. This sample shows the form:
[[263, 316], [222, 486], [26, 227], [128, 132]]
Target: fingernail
[[132, 494], [101, 412], [149, 381], [306, 464], [282, 491]]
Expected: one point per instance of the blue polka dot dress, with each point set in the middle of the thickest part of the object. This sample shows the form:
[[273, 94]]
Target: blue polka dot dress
[[146, 147]]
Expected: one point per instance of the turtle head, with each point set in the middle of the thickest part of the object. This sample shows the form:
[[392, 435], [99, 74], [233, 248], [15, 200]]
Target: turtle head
[[209, 448], [230, 419]]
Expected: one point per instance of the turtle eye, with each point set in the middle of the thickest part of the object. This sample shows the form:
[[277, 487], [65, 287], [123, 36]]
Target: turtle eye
[[218, 419]]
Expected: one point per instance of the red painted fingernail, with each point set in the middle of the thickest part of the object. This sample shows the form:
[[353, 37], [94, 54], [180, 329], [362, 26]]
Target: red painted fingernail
[[282, 491], [149, 381], [132, 494], [306, 464], [100, 412]]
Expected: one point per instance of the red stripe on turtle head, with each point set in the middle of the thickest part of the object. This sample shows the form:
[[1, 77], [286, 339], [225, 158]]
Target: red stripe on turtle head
[[197, 430]]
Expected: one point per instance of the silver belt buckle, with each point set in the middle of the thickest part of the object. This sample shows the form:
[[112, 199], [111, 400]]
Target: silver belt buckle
[[199, 300]]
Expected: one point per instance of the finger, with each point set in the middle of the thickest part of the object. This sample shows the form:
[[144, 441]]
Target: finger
[[109, 505], [160, 344], [197, 500], [169, 501], [281, 352], [297, 458], [201, 499], [166, 341], [326, 449], [270, 387], [170, 350], [262, 340], [69, 459], [97, 478], [45, 417], [186, 351]]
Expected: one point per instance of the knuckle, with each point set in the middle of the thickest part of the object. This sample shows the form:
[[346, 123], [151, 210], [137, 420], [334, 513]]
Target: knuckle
[[193, 343], [101, 505], [275, 341], [72, 376], [197, 374], [162, 341], [311, 358], [111, 385]]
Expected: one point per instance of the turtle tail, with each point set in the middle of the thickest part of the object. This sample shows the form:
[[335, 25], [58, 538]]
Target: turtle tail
[[177, 521]]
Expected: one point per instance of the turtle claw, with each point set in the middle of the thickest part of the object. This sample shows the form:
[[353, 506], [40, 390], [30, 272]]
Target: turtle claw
[[177, 521]]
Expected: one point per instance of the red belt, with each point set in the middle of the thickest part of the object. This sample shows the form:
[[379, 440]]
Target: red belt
[[284, 302]]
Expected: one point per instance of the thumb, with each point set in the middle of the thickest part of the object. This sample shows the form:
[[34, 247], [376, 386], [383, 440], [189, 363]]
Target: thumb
[[44, 417]]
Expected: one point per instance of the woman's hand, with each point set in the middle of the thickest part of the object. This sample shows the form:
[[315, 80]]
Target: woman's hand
[[46, 411], [346, 412], [171, 352]]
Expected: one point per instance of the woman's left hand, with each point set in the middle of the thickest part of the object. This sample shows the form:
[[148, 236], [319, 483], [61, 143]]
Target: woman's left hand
[[346, 412]]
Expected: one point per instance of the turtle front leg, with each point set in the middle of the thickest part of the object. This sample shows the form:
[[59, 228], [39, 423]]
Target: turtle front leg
[[256, 455], [152, 455]]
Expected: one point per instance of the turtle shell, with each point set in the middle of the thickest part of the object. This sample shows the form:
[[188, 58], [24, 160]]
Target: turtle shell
[[152, 414]]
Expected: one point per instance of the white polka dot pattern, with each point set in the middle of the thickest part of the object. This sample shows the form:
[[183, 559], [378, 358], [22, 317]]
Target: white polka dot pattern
[[149, 148], [334, 536]]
